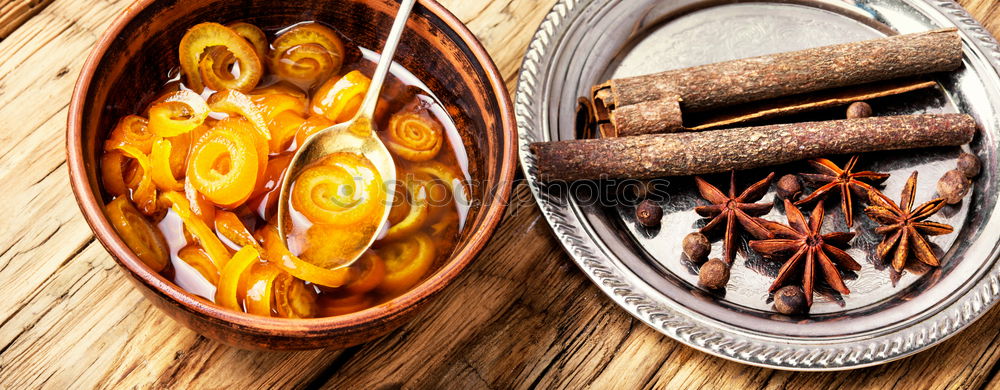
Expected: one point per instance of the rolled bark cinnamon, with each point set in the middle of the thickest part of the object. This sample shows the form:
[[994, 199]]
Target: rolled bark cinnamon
[[678, 154], [732, 83]]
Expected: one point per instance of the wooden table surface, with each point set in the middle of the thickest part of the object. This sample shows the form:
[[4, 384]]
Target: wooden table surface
[[522, 315]]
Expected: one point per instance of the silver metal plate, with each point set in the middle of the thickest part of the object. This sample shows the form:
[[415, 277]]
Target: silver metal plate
[[887, 316]]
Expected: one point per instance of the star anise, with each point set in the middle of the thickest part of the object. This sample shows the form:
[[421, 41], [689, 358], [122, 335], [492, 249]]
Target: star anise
[[732, 209], [904, 226], [844, 180], [807, 248]]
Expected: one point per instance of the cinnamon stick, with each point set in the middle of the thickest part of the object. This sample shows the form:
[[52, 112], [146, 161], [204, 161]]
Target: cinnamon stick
[[726, 84], [678, 154]]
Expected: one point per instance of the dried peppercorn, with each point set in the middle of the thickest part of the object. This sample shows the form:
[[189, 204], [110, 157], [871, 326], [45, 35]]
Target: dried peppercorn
[[969, 165], [714, 274], [790, 300], [696, 247], [648, 213], [953, 186], [789, 187], [859, 110]]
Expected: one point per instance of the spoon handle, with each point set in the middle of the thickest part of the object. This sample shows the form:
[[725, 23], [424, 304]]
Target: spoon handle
[[385, 59]]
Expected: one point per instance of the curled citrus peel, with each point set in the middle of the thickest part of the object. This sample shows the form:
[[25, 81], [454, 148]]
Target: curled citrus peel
[[417, 207], [226, 294], [144, 193], [132, 130], [307, 53], [252, 34], [277, 253], [200, 206], [311, 126], [145, 240], [196, 257], [260, 288], [177, 113], [201, 232], [216, 67], [237, 103], [448, 187], [414, 137], [366, 274], [342, 189], [293, 299], [162, 170], [406, 261], [206, 35], [225, 162], [232, 228], [113, 174], [339, 99]]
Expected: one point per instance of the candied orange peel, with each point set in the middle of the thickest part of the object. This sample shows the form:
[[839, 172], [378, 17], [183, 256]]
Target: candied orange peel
[[418, 209], [236, 103], [196, 257], [339, 99], [309, 52], [139, 234], [202, 233], [229, 225], [177, 113], [406, 261], [206, 35], [277, 253], [225, 162], [366, 274], [162, 168], [132, 130], [293, 299], [252, 34], [414, 137], [144, 193], [341, 189], [226, 294], [260, 288]]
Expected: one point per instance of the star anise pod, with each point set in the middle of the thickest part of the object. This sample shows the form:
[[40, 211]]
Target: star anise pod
[[807, 248], [904, 226], [844, 180], [732, 209]]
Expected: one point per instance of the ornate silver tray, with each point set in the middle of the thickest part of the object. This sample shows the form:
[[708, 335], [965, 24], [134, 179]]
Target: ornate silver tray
[[887, 315]]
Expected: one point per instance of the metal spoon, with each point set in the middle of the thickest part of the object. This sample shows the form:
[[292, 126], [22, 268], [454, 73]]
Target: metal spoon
[[354, 136]]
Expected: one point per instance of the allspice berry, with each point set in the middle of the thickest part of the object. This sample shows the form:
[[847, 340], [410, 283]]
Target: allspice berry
[[969, 165], [859, 110], [714, 274], [696, 247], [789, 187], [648, 213], [790, 300], [953, 186]]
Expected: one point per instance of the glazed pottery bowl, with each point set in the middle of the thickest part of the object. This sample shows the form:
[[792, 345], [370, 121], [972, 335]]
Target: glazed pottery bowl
[[133, 59]]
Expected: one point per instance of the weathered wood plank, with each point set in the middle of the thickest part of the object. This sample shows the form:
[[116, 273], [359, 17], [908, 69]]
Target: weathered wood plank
[[38, 66], [91, 328], [71, 318], [13, 13]]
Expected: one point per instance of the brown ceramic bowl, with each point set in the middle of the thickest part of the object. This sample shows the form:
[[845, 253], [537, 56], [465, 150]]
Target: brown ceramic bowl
[[133, 58]]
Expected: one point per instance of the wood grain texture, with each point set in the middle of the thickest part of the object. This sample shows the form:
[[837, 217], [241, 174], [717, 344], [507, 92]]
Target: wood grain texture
[[521, 316], [13, 13]]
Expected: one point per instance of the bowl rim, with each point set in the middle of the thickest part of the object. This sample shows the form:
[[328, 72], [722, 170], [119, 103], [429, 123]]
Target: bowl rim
[[92, 211]]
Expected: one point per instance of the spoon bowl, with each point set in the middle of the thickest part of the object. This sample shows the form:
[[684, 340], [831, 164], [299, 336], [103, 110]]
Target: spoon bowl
[[357, 136], [349, 137]]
